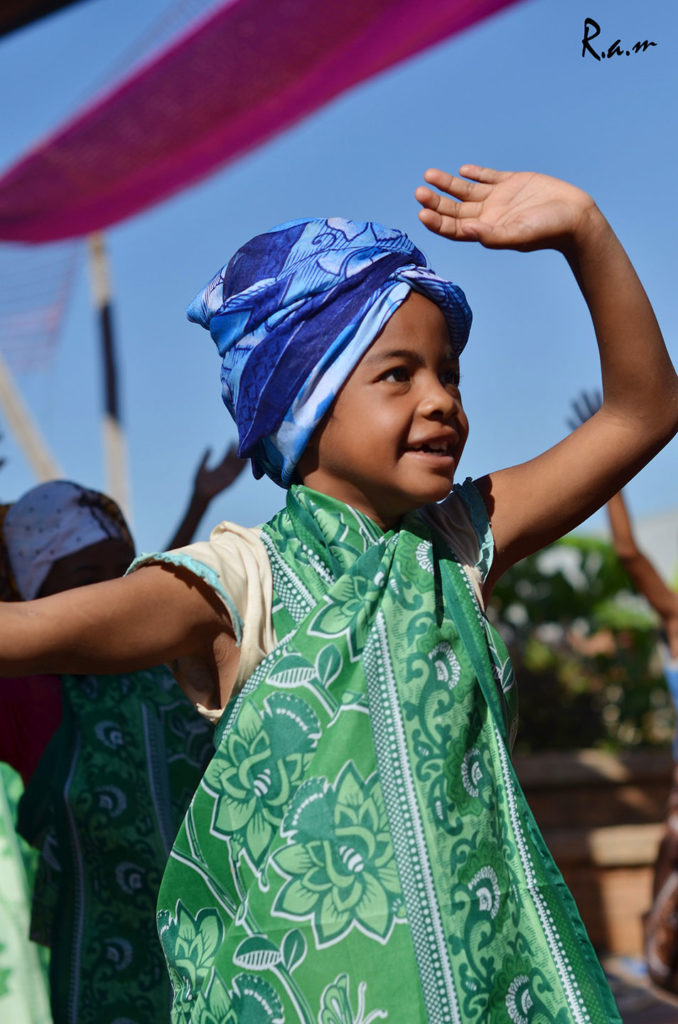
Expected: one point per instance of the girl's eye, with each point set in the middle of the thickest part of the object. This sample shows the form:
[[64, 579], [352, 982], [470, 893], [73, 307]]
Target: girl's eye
[[399, 374], [451, 378]]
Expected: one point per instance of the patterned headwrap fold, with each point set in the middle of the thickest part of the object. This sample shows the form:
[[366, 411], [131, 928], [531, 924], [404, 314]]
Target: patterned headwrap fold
[[292, 314], [51, 521]]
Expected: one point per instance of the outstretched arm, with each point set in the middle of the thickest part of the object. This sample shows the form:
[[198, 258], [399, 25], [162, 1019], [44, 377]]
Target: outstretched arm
[[207, 484], [155, 615], [532, 504]]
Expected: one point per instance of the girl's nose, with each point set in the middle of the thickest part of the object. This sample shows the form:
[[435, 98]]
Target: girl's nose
[[440, 402]]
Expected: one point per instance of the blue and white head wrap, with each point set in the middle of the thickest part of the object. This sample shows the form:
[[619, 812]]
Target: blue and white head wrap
[[292, 314]]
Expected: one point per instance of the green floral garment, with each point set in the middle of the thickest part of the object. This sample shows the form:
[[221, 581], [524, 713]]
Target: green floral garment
[[104, 807], [359, 848], [24, 997]]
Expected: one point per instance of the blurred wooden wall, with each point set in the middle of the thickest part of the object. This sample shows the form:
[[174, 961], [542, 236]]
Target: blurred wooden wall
[[602, 818]]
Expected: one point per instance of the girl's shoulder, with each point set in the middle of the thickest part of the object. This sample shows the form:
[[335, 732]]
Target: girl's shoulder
[[234, 564], [463, 523]]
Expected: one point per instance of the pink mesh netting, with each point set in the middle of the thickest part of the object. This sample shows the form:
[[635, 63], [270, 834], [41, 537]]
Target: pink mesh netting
[[249, 70], [35, 287]]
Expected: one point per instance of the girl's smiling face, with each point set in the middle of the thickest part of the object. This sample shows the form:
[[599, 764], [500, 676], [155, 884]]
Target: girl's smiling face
[[394, 436]]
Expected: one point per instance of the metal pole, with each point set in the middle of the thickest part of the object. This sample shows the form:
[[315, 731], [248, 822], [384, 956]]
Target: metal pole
[[115, 446]]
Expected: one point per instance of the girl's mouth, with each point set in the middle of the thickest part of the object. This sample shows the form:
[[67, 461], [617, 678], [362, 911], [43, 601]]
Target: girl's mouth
[[441, 447], [432, 449]]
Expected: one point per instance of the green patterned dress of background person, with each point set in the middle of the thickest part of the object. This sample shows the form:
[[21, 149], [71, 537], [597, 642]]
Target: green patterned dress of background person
[[359, 848], [103, 808]]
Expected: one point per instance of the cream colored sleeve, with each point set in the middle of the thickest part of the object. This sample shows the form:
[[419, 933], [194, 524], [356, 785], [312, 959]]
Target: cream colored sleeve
[[234, 563]]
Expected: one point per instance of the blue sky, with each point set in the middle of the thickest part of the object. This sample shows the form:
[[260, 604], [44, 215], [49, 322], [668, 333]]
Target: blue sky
[[514, 92]]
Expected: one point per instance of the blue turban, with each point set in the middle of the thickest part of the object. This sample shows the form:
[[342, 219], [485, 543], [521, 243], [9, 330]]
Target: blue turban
[[292, 314]]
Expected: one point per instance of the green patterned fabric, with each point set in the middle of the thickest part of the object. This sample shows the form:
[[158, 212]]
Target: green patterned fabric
[[24, 996], [359, 848], [104, 807]]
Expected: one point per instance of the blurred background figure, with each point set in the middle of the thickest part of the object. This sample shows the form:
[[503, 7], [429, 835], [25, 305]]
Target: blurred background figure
[[661, 921], [109, 765], [24, 991], [207, 484]]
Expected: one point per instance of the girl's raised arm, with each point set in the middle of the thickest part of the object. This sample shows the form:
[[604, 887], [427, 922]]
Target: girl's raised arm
[[532, 504], [152, 616]]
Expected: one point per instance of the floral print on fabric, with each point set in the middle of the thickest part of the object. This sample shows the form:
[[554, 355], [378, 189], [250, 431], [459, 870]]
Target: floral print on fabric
[[359, 844], [339, 866], [268, 757], [103, 807]]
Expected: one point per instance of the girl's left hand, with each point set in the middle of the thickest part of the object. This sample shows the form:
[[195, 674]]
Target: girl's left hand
[[505, 209]]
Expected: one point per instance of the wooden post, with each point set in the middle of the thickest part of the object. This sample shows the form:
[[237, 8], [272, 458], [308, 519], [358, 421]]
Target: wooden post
[[24, 428], [115, 448]]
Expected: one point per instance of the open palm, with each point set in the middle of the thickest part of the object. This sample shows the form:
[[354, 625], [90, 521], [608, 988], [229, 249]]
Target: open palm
[[209, 482], [502, 209]]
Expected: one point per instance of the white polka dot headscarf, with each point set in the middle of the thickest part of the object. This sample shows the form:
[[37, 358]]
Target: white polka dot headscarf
[[53, 520]]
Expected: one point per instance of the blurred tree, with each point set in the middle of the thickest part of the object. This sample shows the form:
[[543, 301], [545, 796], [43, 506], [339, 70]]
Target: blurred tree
[[585, 650]]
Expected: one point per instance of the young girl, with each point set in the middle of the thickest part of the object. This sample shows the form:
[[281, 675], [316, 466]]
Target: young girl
[[359, 848]]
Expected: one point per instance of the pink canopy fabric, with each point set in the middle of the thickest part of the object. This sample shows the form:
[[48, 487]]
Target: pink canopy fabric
[[251, 69]]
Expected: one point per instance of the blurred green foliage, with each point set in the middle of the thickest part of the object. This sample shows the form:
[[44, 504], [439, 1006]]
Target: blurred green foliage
[[585, 649]]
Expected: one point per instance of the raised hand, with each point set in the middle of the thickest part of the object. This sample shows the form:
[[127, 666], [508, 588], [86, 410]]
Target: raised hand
[[584, 407], [210, 482], [207, 483], [639, 414], [505, 209]]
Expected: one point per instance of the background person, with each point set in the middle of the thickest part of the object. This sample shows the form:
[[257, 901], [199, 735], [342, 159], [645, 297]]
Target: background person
[[661, 922], [109, 765]]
